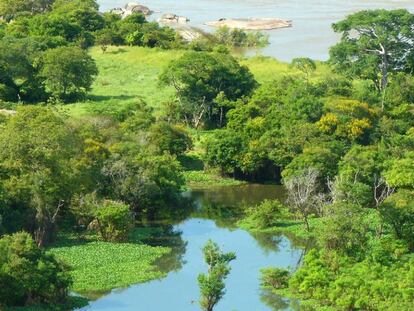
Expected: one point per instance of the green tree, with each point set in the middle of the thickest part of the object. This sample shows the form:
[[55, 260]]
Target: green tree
[[374, 44], [68, 72], [164, 137], [38, 158], [18, 71], [265, 215], [344, 229], [10, 9], [212, 285], [305, 65], [398, 212], [200, 77], [114, 221], [274, 278], [401, 171], [28, 275]]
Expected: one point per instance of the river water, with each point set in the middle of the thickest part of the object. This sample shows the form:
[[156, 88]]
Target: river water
[[311, 34], [213, 218]]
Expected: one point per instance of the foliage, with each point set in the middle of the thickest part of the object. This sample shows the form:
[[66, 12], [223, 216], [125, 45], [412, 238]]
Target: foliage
[[38, 159], [114, 221], [204, 82], [397, 212], [265, 215], [169, 138], [305, 65], [10, 9], [212, 284], [240, 38], [28, 275], [68, 72], [344, 229], [374, 44], [345, 285], [274, 278]]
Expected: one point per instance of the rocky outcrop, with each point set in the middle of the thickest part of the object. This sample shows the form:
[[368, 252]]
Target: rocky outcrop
[[190, 34], [252, 23], [170, 19], [132, 8]]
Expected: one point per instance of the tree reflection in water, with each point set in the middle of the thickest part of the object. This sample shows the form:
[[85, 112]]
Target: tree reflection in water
[[277, 302]]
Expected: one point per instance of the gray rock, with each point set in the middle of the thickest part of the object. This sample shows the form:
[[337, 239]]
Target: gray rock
[[170, 16], [130, 9]]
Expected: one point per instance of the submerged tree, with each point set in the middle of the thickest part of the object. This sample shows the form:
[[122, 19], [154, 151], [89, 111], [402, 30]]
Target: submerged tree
[[212, 285]]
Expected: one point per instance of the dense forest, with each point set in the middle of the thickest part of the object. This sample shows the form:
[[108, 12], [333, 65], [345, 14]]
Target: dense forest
[[339, 135]]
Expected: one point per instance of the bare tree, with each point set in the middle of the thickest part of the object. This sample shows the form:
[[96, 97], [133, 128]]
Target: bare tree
[[304, 198], [381, 190]]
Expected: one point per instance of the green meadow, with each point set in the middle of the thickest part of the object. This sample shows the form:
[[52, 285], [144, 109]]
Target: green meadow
[[130, 73]]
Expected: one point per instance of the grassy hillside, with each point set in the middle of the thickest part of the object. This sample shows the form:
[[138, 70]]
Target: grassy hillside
[[128, 73]]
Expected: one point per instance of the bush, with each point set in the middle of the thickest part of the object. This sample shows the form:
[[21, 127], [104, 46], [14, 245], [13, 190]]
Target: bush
[[275, 278], [266, 214], [114, 221], [28, 275]]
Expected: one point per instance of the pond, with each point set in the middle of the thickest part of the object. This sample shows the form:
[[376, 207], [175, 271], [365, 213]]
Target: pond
[[311, 34], [214, 218]]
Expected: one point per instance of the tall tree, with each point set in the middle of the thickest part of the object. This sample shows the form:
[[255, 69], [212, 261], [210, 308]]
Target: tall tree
[[374, 44], [203, 79], [38, 163]]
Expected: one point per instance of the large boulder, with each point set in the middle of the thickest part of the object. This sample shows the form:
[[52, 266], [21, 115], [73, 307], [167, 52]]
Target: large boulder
[[170, 18], [132, 8]]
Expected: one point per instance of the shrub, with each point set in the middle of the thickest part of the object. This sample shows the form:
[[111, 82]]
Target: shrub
[[114, 221], [266, 214], [274, 278]]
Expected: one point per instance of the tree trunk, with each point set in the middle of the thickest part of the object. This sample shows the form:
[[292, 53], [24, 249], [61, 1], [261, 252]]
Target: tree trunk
[[46, 225], [384, 78], [306, 222], [44, 232]]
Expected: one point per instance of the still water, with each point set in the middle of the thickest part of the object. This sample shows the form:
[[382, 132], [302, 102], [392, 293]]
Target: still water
[[213, 218], [310, 36]]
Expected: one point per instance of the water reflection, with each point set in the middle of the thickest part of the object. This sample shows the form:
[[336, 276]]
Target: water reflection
[[213, 216], [277, 302]]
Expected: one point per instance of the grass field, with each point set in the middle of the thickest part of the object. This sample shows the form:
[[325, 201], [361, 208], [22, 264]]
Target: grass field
[[127, 73]]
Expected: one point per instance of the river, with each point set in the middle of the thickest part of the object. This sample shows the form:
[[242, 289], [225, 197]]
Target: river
[[311, 34], [213, 218]]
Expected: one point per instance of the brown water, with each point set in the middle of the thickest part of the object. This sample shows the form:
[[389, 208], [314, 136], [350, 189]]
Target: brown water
[[311, 35], [215, 211]]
